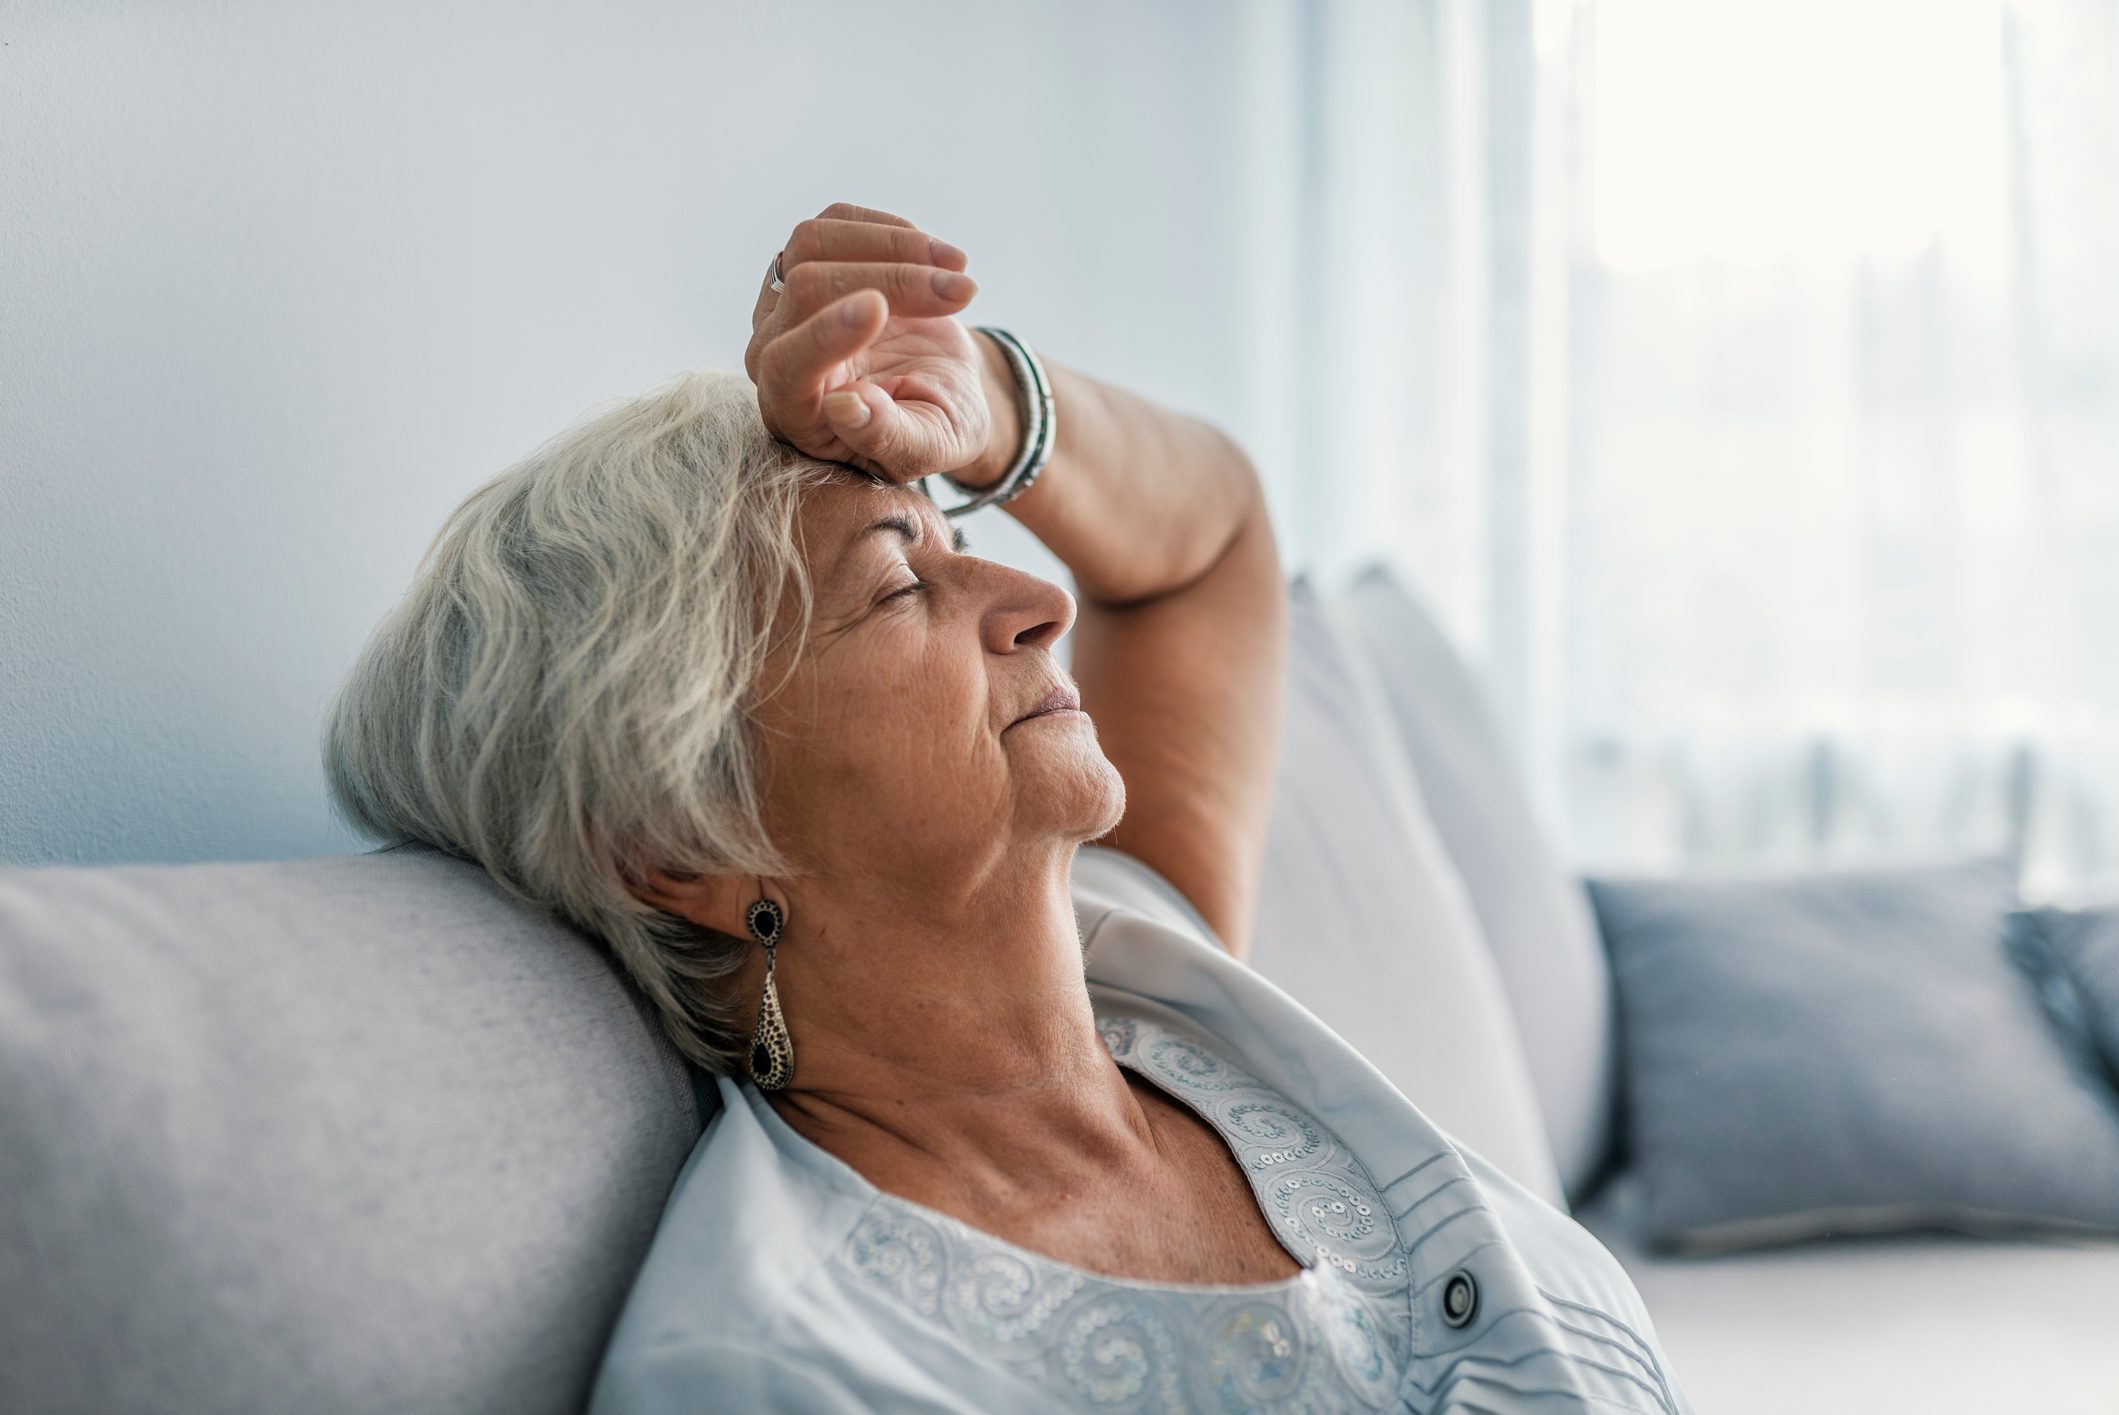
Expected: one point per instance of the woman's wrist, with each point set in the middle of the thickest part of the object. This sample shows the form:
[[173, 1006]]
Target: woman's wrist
[[1138, 500], [1004, 439]]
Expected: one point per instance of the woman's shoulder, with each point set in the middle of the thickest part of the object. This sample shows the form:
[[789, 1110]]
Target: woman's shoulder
[[775, 1282], [726, 1373], [746, 1225]]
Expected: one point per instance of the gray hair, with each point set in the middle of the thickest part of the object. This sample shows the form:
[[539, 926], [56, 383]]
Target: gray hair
[[568, 691]]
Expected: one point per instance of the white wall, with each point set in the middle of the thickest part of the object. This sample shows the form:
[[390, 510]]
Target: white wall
[[283, 282]]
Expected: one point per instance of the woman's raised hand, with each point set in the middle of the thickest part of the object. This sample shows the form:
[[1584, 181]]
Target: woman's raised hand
[[861, 359]]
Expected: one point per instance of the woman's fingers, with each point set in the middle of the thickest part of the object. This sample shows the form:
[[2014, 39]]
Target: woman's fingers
[[795, 365], [848, 272], [913, 290], [847, 211], [902, 439], [844, 233], [824, 239]]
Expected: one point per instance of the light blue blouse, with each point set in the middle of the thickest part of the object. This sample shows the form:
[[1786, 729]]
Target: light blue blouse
[[781, 1279]]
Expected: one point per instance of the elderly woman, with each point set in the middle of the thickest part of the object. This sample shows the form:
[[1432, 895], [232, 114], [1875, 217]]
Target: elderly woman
[[1006, 1123]]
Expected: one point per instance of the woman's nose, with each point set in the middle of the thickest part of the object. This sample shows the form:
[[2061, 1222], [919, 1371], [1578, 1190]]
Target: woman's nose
[[1028, 612]]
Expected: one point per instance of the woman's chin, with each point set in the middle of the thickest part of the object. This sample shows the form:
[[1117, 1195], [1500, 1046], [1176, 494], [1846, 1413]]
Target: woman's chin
[[1064, 784], [1102, 814]]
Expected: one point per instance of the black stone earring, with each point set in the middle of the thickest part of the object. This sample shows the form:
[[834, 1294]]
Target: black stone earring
[[772, 1051]]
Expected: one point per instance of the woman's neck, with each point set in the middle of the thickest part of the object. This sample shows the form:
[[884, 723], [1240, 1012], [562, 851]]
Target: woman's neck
[[953, 1052]]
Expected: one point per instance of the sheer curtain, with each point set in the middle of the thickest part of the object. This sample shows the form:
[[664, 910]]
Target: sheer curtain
[[1740, 384]]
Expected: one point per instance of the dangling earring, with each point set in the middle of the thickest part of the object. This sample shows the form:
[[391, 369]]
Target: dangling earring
[[772, 1051]]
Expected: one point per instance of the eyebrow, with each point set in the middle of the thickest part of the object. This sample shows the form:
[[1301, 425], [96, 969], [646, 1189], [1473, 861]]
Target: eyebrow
[[904, 525]]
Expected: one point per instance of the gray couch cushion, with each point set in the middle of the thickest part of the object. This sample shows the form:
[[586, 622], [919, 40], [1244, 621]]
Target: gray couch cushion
[[1531, 911], [335, 1135], [1363, 919], [1844, 1051], [1927, 1323], [2085, 945]]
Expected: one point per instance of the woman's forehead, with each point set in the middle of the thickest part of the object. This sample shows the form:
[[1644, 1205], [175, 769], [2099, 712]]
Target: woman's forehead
[[846, 509]]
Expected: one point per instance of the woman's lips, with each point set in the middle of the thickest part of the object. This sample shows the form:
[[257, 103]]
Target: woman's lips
[[1062, 698]]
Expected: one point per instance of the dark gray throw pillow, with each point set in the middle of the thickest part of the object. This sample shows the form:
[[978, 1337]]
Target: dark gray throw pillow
[[1846, 1051], [2084, 943]]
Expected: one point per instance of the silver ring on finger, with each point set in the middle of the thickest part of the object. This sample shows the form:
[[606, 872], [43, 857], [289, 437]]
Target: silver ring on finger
[[773, 275]]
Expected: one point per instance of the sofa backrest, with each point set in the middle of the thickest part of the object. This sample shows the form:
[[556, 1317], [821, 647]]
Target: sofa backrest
[[1534, 913], [345, 1134], [1364, 920]]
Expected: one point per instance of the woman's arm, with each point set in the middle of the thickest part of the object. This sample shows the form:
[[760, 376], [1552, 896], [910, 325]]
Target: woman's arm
[[1181, 641]]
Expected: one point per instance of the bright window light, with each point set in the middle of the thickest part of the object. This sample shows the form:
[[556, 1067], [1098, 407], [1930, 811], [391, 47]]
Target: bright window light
[[1730, 132]]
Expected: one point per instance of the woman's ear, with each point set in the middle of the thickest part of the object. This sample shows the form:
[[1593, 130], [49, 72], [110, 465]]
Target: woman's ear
[[710, 900]]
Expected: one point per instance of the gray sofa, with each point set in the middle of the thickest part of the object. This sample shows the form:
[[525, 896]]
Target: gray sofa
[[364, 1133]]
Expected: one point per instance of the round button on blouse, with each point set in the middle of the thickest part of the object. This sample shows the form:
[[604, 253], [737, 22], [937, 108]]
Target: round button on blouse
[[1460, 1298]]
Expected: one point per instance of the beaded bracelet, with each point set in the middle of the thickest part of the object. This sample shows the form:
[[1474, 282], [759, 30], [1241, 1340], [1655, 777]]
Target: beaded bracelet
[[1040, 426]]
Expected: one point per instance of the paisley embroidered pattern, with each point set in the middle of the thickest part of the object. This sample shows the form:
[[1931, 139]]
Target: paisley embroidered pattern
[[1334, 1337]]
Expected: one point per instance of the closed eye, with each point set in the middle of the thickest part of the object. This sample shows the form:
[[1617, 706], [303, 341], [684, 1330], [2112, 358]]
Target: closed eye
[[903, 525], [914, 588]]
